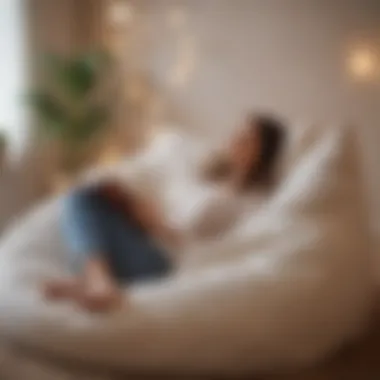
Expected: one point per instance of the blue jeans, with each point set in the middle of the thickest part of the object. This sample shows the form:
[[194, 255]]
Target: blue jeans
[[94, 226]]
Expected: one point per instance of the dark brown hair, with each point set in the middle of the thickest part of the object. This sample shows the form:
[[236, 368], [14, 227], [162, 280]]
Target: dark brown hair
[[272, 136]]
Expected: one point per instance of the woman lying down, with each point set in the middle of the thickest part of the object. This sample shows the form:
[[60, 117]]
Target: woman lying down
[[119, 236]]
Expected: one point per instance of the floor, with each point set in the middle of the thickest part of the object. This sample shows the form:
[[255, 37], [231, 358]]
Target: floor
[[361, 361]]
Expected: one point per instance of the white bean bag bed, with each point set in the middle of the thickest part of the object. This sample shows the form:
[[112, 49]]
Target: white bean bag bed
[[286, 288]]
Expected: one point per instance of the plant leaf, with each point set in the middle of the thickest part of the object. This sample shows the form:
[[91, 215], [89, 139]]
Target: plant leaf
[[64, 106], [49, 110], [98, 61], [94, 119], [83, 73], [80, 79]]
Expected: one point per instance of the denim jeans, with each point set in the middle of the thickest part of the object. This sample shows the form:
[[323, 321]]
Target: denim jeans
[[93, 226]]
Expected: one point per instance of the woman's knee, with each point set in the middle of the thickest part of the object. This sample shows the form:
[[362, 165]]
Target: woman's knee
[[82, 220], [81, 200]]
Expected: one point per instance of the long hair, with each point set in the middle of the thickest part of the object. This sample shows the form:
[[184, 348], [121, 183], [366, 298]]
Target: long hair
[[272, 137]]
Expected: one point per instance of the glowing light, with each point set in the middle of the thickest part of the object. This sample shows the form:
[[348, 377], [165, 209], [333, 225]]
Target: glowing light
[[363, 63], [185, 64], [120, 13]]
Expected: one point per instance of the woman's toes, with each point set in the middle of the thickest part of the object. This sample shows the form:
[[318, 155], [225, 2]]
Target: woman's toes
[[102, 300], [60, 289]]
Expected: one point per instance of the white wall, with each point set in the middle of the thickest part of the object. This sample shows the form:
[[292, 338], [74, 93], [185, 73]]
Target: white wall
[[12, 72], [215, 59]]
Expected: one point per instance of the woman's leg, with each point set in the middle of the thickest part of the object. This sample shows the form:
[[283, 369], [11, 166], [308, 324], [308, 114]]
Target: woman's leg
[[108, 246], [84, 222], [95, 289]]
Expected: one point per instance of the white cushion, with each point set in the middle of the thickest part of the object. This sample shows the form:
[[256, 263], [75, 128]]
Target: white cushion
[[289, 286]]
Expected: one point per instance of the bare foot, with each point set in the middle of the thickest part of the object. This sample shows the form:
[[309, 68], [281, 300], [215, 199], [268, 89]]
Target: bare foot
[[101, 297], [58, 290]]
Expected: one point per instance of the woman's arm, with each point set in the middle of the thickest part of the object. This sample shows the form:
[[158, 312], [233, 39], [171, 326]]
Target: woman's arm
[[150, 217]]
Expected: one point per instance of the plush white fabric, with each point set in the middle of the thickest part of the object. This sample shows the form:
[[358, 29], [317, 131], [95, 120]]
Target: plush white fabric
[[18, 365], [287, 287]]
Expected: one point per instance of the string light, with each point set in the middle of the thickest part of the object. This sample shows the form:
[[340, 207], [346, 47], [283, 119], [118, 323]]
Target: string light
[[185, 64], [363, 63], [120, 14]]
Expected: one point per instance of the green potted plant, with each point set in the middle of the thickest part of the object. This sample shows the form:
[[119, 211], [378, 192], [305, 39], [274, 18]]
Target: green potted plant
[[71, 104]]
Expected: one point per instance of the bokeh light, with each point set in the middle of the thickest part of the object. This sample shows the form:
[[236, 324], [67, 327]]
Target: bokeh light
[[363, 63]]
